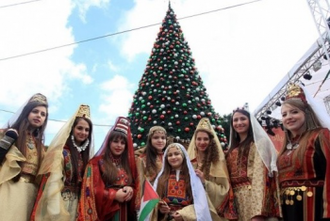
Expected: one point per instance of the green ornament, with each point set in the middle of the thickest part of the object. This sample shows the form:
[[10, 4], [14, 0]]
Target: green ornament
[[143, 143], [145, 118]]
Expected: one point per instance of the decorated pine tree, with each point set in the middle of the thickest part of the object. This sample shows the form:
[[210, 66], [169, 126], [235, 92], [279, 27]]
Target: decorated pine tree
[[171, 93]]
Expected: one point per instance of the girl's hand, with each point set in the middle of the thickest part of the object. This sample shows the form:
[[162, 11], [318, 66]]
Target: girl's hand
[[200, 174], [129, 193], [163, 207], [176, 216], [121, 195]]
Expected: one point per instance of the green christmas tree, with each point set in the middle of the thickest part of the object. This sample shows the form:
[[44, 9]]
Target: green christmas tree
[[171, 93]]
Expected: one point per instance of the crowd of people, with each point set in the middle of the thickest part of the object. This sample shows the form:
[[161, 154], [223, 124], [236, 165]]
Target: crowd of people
[[66, 181]]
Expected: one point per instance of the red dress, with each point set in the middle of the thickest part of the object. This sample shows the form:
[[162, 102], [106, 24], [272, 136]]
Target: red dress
[[97, 201], [304, 176]]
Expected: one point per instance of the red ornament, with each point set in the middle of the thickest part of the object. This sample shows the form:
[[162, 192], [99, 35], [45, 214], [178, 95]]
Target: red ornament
[[191, 124], [162, 116], [185, 112], [199, 116], [139, 136], [194, 83], [169, 111], [178, 122], [187, 129], [150, 97]]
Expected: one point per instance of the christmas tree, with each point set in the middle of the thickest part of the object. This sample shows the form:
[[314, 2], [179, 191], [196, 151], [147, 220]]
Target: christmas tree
[[171, 92]]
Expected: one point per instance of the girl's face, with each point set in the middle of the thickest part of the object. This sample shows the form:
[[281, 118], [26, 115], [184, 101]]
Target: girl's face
[[37, 116], [241, 123], [81, 131], [293, 119], [174, 158], [202, 141], [117, 146], [158, 140]]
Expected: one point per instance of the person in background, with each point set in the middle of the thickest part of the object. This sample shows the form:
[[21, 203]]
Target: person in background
[[304, 160], [208, 160], [251, 161], [149, 160], [63, 169], [110, 179], [22, 159], [179, 189]]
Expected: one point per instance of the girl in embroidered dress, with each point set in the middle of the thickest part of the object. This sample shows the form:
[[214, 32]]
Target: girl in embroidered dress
[[149, 160], [303, 162], [208, 160], [63, 168], [18, 185], [179, 189], [251, 161], [108, 190]]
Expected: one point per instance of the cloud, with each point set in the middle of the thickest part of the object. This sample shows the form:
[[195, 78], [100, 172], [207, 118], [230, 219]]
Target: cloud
[[113, 67], [116, 97], [30, 28]]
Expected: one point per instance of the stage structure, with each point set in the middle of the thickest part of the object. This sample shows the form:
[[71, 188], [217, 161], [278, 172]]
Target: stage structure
[[314, 64]]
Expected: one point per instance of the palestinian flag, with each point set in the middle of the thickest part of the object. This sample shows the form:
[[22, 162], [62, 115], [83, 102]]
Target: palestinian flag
[[148, 202]]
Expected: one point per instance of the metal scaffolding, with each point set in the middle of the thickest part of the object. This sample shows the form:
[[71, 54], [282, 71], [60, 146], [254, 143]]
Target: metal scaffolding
[[320, 11]]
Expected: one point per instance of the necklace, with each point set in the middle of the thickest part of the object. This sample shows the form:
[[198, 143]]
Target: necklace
[[116, 161], [294, 144], [82, 147], [30, 142]]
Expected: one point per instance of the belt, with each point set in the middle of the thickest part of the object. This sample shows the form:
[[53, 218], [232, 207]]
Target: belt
[[289, 193]]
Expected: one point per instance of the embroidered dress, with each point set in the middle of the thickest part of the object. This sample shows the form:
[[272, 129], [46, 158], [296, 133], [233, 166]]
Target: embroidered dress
[[71, 190], [58, 194], [18, 197], [304, 175], [175, 193], [96, 192], [253, 189], [176, 198], [199, 208]]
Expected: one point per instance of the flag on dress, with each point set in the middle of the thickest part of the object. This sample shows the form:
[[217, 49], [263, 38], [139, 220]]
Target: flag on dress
[[149, 200]]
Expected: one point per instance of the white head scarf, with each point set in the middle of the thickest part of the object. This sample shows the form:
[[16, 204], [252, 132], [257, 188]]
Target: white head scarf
[[264, 145], [200, 201]]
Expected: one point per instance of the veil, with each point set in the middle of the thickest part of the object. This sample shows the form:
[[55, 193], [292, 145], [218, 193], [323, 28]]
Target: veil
[[200, 201]]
